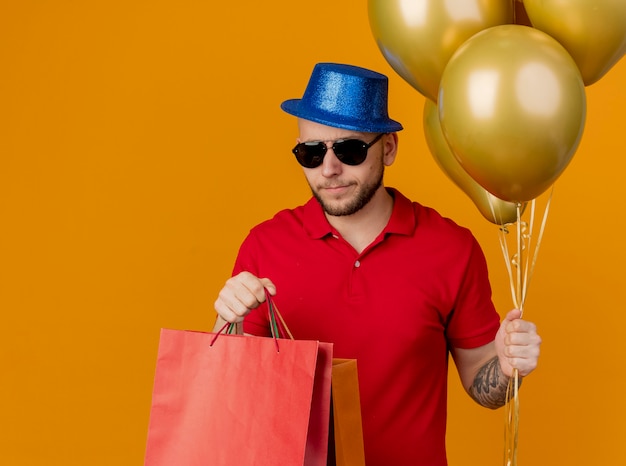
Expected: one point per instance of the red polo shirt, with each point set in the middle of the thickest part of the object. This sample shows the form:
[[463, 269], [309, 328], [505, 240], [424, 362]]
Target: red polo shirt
[[418, 289]]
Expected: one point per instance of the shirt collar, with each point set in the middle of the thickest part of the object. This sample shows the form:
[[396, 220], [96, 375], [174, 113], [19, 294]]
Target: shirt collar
[[402, 221]]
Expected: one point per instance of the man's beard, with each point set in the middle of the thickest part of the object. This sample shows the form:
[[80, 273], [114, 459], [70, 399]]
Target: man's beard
[[362, 197]]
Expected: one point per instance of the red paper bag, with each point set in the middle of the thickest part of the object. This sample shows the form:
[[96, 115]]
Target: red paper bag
[[242, 400]]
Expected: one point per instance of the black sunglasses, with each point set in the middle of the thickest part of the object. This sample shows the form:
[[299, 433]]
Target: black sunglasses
[[348, 151]]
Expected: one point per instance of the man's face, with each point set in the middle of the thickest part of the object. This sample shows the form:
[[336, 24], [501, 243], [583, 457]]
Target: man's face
[[339, 188]]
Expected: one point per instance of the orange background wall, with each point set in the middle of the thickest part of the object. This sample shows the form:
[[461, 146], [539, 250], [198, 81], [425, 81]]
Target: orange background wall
[[140, 140]]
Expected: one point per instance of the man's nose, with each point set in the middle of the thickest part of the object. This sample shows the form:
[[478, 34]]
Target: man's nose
[[331, 165]]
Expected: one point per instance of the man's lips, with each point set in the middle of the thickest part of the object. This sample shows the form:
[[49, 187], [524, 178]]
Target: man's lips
[[335, 189]]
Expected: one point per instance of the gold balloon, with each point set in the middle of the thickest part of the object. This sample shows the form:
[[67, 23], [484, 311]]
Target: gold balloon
[[417, 37], [493, 209], [592, 31], [512, 107]]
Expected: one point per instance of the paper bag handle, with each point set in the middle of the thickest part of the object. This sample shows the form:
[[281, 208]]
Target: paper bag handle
[[276, 319], [277, 323]]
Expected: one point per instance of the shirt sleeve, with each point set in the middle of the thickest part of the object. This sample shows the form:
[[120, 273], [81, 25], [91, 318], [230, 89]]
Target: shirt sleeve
[[474, 320]]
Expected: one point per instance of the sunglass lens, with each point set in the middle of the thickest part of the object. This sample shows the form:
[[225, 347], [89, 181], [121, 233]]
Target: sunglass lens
[[310, 154], [351, 151]]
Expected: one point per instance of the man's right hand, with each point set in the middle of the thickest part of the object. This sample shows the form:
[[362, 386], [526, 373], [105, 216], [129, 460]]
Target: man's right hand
[[240, 295]]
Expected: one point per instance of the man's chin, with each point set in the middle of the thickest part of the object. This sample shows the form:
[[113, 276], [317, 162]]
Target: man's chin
[[339, 205], [337, 208]]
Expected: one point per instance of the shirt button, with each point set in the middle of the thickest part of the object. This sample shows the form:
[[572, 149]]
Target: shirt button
[[357, 264]]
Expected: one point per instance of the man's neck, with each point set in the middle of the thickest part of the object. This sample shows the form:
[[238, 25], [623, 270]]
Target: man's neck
[[364, 226]]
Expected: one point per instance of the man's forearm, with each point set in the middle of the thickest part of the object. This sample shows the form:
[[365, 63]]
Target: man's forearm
[[490, 385]]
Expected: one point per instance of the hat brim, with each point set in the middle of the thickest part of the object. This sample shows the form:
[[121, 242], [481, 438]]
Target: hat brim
[[294, 107]]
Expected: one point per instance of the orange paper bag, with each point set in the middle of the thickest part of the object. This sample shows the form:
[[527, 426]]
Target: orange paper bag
[[239, 400], [346, 414]]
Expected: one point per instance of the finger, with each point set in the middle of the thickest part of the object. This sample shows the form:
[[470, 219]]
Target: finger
[[522, 358], [243, 303], [235, 300], [524, 366], [269, 286], [256, 287], [522, 351], [226, 313], [512, 315], [232, 307], [522, 337], [523, 330]]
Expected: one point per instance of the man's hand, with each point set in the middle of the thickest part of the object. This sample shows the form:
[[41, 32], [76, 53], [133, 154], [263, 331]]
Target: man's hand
[[517, 344], [240, 295]]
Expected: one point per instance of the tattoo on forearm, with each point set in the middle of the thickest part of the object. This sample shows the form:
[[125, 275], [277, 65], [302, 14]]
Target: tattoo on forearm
[[489, 386]]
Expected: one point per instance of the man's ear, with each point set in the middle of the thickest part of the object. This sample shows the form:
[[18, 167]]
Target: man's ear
[[390, 148]]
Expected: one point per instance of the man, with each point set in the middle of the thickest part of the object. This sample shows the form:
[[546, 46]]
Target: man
[[388, 281]]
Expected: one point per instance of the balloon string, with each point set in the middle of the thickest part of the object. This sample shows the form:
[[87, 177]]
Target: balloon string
[[542, 228], [520, 255], [507, 262], [519, 283], [519, 279], [512, 420]]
